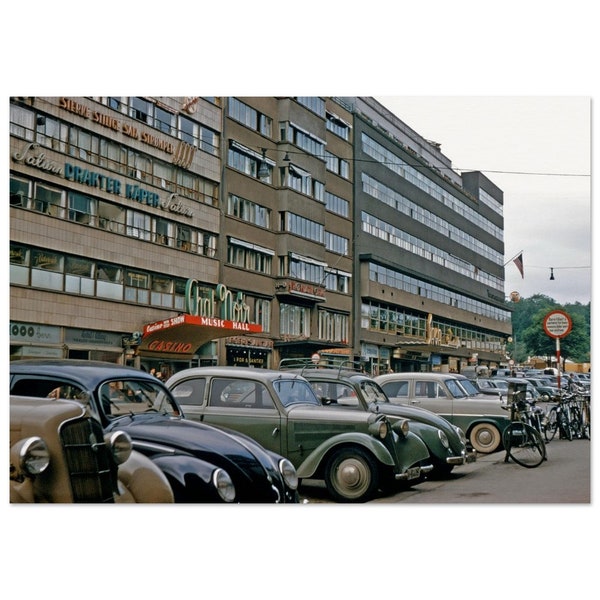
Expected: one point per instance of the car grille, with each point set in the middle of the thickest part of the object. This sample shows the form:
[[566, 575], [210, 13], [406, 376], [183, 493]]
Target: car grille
[[92, 472]]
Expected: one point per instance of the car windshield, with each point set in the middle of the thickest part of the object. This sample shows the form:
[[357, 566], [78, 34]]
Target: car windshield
[[132, 396], [372, 392], [455, 388], [295, 391], [470, 387]]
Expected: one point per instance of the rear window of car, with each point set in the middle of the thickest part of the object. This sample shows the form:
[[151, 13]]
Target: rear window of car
[[396, 389]]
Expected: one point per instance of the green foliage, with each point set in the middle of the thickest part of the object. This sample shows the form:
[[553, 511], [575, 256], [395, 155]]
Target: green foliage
[[530, 339]]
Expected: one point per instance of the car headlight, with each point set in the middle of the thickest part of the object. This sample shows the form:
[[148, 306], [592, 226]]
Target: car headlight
[[31, 456], [401, 427], [461, 434], [288, 472], [224, 485], [379, 429], [443, 439], [120, 445]]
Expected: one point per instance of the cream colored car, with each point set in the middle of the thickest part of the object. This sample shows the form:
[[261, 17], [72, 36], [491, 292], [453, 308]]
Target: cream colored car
[[59, 453], [482, 418]]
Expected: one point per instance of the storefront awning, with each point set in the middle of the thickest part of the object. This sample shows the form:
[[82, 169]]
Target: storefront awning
[[181, 336]]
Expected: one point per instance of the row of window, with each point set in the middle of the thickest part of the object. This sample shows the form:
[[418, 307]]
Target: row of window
[[45, 269], [395, 164], [165, 120], [412, 285], [388, 196], [89, 147], [383, 318], [116, 218], [391, 234]]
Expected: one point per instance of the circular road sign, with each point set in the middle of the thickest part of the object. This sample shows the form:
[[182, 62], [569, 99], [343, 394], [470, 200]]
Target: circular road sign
[[557, 324]]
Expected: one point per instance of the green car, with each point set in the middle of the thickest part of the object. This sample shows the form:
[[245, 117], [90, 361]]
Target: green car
[[344, 387], [355, 454]]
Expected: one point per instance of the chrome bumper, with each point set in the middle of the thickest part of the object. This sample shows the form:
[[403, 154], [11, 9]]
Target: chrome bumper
[[413, 473], [465, 458]]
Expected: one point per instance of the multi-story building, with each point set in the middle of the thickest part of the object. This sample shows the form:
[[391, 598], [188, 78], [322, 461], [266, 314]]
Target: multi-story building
[[167, 232], [429, 251]]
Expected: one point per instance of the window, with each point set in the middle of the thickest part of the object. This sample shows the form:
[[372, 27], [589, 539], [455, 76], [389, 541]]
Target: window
[[19, 264], [22, 122], [184, 238], [248, 211], [337, 165], [314, 103], [338, 126], [79, 276], [249, 256], [162, 291], [162, 234], [80, 208], [51, 133], [164, 120], [139, 225], [47, 270], [250, 117], [262, 314], [137, 286], [19, 192], [333, 327], [109, 281], [303, 227], [336, 204], [294, 320], [141, 110]]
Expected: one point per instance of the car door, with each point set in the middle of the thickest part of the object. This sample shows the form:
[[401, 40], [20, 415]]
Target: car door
[[244, 405], [432, 395]]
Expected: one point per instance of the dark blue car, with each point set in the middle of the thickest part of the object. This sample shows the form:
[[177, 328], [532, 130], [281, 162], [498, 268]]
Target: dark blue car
[[203, 463]]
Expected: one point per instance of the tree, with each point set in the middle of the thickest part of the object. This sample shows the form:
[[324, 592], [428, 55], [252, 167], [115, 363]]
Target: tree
[[529, 338], [574, 346]]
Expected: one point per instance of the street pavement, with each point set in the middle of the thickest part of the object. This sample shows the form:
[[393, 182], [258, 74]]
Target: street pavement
[[565, 478]]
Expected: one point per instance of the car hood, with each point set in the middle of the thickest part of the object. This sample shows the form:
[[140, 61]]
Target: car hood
[[245, 461], [416, 414]]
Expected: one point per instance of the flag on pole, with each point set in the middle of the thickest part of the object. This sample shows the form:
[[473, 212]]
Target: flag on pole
[[519, 263]]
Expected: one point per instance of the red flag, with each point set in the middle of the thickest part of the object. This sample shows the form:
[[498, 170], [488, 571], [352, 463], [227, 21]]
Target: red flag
[[519, 262]]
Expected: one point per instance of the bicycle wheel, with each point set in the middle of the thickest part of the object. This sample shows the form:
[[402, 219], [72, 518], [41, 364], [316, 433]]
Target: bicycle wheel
[[586, 430], [551, 425], [575, 422], [564, 426], [524, 445]]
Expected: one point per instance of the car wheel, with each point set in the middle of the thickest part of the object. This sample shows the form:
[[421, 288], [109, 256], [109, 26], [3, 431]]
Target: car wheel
[[485, 438], [352, 475]]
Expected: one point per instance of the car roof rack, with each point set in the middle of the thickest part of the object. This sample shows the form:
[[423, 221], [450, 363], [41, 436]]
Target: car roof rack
[[305, 364]]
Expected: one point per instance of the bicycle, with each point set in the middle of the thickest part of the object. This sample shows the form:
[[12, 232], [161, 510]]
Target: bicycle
[[558, 418], [522, 441]]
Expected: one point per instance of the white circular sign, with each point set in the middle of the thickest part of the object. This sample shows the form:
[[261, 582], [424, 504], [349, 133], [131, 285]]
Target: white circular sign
[[557, 324], [315, 358]]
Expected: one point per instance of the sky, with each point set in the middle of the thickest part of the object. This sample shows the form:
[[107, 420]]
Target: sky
[[537, 150]]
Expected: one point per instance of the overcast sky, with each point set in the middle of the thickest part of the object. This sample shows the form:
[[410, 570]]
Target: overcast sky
[[537, 149]]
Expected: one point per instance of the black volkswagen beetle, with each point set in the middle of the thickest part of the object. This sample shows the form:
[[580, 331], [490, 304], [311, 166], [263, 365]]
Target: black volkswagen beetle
[[203, 463]]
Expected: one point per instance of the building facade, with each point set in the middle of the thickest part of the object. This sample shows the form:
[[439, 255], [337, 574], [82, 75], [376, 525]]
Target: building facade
[[175, 231]]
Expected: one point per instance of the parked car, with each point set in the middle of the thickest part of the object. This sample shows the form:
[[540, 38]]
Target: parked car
[[487, 386], [482, 418], [354, 453], [545, 388], [503, 383], [202, 463], [59, 453], [345, 387]]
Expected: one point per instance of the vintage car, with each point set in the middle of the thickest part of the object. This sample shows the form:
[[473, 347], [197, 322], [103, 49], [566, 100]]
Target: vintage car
[[345, 387], [59, 453], [482, 418], [202, 463], [356, 454]]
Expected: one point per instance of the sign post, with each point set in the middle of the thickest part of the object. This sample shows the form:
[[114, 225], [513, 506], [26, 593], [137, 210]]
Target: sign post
[[557, 324]]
